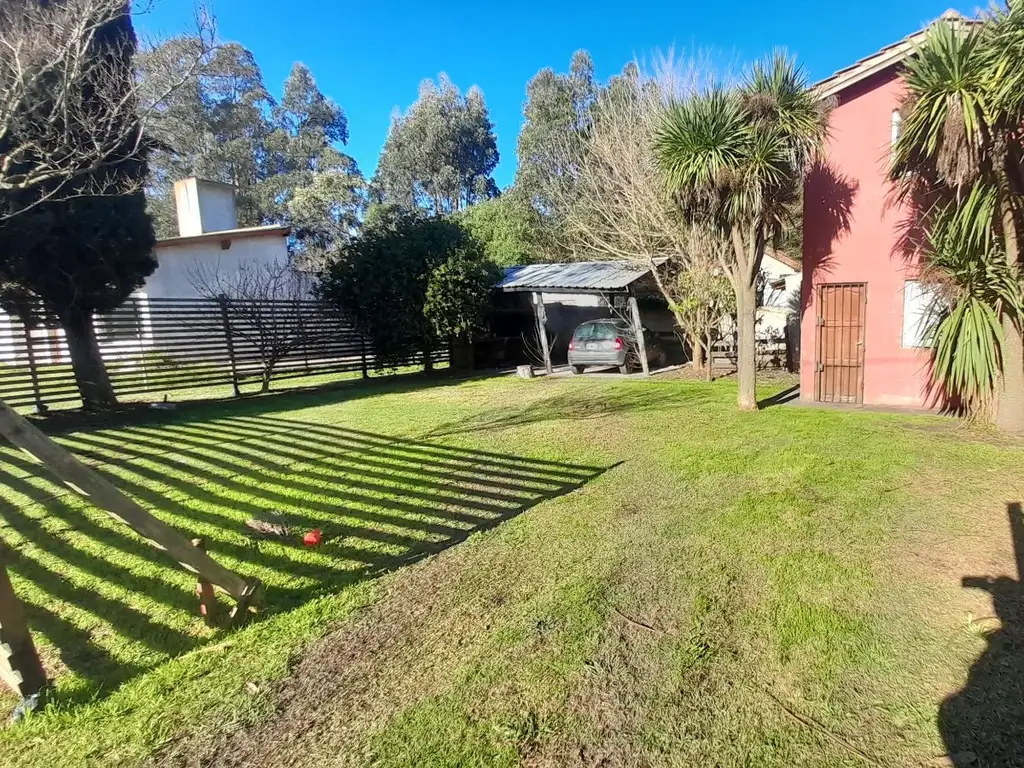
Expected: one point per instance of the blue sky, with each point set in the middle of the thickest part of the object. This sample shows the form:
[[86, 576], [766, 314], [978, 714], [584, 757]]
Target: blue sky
[[371, 56]]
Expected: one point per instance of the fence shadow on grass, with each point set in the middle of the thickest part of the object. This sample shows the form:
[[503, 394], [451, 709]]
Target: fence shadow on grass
[[380, 502], [144, 413], [983, 723]]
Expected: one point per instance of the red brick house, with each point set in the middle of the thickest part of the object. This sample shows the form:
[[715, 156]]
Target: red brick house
[[861, 334]]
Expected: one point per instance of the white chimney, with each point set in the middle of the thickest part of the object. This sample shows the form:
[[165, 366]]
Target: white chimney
[[204, 206]]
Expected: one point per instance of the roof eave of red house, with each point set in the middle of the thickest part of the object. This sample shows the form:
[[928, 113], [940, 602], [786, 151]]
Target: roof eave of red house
[[889, 56]]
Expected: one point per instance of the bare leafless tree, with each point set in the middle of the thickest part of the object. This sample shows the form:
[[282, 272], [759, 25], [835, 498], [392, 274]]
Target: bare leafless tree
[[67, 112], [533, 347], [618, 207], [268, 308], [700, 294]]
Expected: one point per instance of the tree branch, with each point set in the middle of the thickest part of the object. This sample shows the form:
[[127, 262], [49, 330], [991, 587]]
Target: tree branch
[[69, 108]]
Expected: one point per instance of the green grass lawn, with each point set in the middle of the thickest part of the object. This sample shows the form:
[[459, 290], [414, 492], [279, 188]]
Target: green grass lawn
[[643, 576]]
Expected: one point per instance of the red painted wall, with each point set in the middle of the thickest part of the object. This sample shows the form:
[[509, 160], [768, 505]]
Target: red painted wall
[[851, 234]]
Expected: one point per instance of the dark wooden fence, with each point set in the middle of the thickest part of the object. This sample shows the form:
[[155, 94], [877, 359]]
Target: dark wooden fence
[[771, 353], [155, 346]]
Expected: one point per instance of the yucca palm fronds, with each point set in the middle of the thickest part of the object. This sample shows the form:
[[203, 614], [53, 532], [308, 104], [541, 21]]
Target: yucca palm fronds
[[975, 288], [741, 154], [968, 224], [1004, 39], [702, 142], [967, 352], [948, 115], [775, 93]]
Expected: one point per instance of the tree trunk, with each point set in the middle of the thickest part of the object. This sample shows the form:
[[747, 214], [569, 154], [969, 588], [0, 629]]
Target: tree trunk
[[428, 360], [1010, 404], [1010, 401], [90, 373], [267, 373], [710, 372], [746, 352], [698, 351]]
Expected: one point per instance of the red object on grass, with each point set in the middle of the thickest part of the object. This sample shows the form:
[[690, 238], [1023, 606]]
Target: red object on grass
[[312, 538]]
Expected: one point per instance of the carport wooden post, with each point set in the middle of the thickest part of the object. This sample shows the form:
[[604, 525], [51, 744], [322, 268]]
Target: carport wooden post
[[542, 326], [638, 329]]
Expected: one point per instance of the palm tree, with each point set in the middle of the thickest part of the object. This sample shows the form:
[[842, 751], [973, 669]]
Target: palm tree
[[735, 159], [974, 287], [958, 163]]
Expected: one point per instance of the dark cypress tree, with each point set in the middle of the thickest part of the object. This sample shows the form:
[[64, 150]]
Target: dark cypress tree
[[79, 252]]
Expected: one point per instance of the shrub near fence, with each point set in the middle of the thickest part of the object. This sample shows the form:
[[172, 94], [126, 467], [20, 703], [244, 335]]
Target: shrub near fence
[[152, 346]]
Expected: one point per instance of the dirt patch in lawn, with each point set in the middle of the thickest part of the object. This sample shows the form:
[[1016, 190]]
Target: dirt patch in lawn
[[657, 673], [349, 683], [969, 584], [979, 545]]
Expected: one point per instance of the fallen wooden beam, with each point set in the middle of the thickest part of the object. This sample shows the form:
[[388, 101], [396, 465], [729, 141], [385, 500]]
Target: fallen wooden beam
[[20, 667], [101, 492]]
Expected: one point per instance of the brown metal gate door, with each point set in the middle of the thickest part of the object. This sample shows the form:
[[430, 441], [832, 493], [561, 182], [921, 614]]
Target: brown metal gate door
[[840, 352]]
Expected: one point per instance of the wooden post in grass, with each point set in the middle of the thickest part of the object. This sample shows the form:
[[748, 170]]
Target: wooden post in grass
[[27, 324], [303, 336], [89, 483], [20, 667], [225, 321], [207, 598], [638, 329], [542, 329]]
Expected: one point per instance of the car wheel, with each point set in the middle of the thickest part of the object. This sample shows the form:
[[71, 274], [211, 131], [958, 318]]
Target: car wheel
[[577, 370], [624, 370]]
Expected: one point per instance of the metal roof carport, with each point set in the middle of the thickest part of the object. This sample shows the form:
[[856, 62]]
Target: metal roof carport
[[598, 278]]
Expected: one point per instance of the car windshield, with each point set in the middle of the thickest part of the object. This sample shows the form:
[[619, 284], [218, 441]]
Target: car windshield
[[597, 332]]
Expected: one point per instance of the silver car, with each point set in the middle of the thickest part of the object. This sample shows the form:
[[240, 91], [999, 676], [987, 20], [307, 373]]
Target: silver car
[[610, 343]]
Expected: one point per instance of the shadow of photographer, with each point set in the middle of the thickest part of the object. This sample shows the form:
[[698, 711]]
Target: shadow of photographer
[[983, 723]]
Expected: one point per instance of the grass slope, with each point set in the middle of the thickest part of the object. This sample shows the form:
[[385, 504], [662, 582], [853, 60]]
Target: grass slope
[[671, 582]]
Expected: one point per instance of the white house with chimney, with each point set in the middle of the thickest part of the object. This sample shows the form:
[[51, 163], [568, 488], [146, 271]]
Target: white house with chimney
[[209, 240]]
